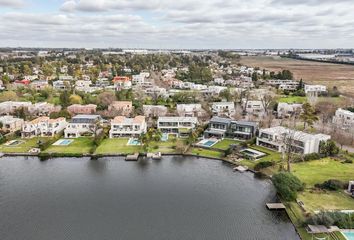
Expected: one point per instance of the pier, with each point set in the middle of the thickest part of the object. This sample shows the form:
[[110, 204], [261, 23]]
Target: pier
[[275, 206], [133, 157]]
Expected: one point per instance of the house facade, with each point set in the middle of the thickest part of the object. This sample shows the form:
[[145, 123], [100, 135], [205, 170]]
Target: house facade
[[285, 110], [302, 143], [343, 118], [180, 126], [154, 110], [82, 109], [223, 108], [124, 108], [190, 110], [315, 89], [82, 125], [11, 124], [43, 126], [127, 127]]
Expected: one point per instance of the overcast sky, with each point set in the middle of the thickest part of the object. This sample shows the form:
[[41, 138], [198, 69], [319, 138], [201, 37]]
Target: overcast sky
[[182, 24]]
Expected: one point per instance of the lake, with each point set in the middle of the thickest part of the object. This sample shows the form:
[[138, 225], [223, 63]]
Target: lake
[[173, 198]]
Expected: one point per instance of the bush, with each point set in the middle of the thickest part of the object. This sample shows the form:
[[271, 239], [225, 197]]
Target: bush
[[312, 156], [287, 185], [348, 161], [342, 220], [332, 185], [262, 165]]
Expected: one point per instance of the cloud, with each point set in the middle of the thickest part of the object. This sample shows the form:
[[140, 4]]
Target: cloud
[[12, 3]]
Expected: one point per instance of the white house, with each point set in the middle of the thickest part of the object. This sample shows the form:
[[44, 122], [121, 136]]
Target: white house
[[180, 126], [10, 106], [343, 117], [127, 127], [190, 110], [82, 125], [315, 89], [288, 109], [219, 81], [223, 108], [301, 142], [154, 110], [253, 106], [43, 126], [11, 124]]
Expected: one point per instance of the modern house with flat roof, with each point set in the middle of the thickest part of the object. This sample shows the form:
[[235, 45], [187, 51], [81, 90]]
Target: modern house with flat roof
[[127, 127], [288, 109], [301, 142], [180, 126], [226, 128], [190, 110], [343, 118], [223, 109], [82, 125], [154, 110]]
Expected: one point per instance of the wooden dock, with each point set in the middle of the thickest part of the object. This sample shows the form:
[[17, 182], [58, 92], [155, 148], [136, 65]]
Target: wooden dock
[[275, 206], [155, 156], [133, 157], [241, 169]]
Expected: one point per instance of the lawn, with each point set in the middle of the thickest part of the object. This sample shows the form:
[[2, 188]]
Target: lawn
[[225, 144], [23, 147], [206, 153], [329, 200], [293, 99], [318, 171], [271, 156], [117, 146], [78, 146]]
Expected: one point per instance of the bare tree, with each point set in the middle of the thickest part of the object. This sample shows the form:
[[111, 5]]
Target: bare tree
[[267, 100]]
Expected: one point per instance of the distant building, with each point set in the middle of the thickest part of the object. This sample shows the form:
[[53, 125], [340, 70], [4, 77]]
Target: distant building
[[315, 89], [190, 110], [9, 107], [82, 109], [301, 142], [127, 127], [343, 118], [122, 82], [253, 106], [124, 108], [154, 110], [82, 125], [288, 109], [223, 108]]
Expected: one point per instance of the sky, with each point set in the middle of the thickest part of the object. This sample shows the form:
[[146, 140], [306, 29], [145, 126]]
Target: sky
[[178, 24]]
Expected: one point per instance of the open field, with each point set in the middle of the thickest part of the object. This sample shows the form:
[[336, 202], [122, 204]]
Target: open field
[[78, 146], [328, 74], [23, 147]]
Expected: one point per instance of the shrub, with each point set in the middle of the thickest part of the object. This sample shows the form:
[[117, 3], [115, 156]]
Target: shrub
[[348, 161], [262, 165], [332, 185], [287, 185], [312, 156]]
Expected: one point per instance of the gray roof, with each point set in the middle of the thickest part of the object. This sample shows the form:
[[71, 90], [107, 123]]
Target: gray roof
[[221, 120], [85, 118], [247, 123]]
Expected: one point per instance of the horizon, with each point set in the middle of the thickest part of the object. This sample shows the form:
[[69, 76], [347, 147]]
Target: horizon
[[156, 24]]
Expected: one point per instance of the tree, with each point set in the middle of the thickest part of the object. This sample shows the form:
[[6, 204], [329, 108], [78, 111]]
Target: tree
[[287, 185], [64, 99], [329, 148], [254, 77], [75, 99], [8, 96], [105, 99], [308, 115], [226, 94], [267, 100]]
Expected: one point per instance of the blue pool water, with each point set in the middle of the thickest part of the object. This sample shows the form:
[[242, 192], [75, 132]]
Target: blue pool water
[[133, 141], [164, 137], [349, 235], [63, 142], [209, 143]]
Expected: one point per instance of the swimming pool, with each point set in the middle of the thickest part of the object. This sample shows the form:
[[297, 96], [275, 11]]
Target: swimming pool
[[133, 141], [252, 153], [164, 137], [207, 142], [349, 235], [63, 142], [13, 143]]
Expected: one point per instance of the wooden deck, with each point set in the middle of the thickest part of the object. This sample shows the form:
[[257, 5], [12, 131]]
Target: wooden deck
[[133, 157], [275, 206]]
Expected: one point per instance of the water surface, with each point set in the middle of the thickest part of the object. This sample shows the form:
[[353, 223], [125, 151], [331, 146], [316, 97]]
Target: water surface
[[171, 199]]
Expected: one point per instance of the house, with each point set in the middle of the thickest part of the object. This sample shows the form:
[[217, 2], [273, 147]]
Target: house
[[43, 109], [226, 128], [315, 89], [351, 187], [141, 78], [217, 127], [86, 86], [39, 84], [253, 106], [122, 82], [11, 124], [82, 109], [180, 126], [288, 109], [343, 118], [9, 107], [301, 142], [124, 108], [219, 81], [284, 84], [223, 109], [61, 85], [127, 127], [82, 125], [190, 110], [154, 110], [43, 126], [156, 91], [214, 90]]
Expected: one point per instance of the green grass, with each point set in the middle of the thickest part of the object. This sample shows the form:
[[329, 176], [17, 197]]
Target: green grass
[[271, 156], [78, 146], [117, 146], [23, 147], [318, 171], [225, 144], [293, 99], [206, 153], [329, 200]]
